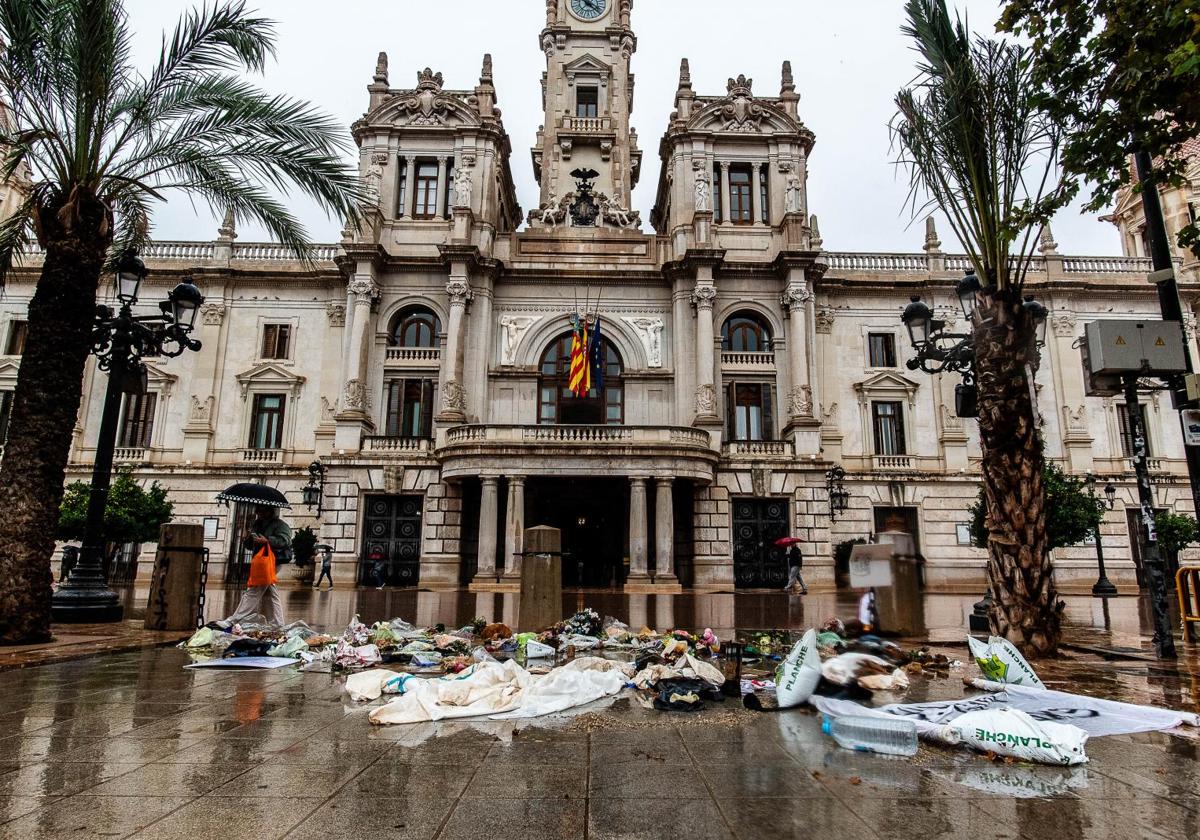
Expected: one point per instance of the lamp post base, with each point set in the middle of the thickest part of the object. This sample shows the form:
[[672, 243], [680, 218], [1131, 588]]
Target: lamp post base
[[978, 621], [84, 598], [1104, 588]]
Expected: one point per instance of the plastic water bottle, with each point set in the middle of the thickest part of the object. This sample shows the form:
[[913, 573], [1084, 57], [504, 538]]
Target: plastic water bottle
[[871, 734]]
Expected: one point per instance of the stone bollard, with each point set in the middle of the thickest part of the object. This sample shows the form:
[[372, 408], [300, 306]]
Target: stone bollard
[[175, 584], [541, 579]]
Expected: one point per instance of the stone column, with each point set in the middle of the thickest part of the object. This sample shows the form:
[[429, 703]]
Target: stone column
[[352, 414], [454, 402], [439, 209], [795, 302], [488, 510], [725, 217], [756, 215], [638, 567], [514, 527], [410, 185], [664, 532], [706, 395]]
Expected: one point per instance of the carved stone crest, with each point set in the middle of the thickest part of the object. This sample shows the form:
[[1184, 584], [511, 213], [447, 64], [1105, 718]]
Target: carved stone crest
[[824, 319], [1075, 420], [800, 401], [354, 398], [201, 411], [454, 397], [795, 296], [1064, 325], [363, 287], [212, 313], [740, 111], [428, 105], [706, 400], [336, 313]]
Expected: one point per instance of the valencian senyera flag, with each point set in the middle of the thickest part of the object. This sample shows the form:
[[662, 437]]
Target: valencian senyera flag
[[581, 371]]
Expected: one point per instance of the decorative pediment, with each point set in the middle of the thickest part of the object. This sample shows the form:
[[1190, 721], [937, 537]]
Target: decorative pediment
[[741, 112], [159, 379], [427, 105], [587, 65], [887, 384], [269, 375], [9, 369]]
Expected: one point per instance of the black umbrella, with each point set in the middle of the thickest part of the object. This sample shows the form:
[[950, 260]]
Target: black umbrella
[[254, 494]]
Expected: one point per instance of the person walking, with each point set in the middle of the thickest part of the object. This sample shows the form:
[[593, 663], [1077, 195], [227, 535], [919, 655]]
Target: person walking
[[795, 564], [326, 567], [378, 567], [270, 538]]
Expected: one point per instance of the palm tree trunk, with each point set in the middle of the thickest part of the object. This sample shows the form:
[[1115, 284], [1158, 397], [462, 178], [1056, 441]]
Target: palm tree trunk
[[44, 412], [1026, 609]]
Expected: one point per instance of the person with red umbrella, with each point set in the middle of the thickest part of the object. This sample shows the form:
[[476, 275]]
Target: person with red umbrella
[[795, 564]]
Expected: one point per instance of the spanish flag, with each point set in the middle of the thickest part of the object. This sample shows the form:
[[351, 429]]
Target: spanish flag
[[581, 370]]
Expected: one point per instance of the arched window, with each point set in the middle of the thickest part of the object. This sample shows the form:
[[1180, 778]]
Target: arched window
[[745, 332], [415, 327], [556, 403]]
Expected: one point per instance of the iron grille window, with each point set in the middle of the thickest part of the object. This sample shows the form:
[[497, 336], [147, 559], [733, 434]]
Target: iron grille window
[[277, 340], [266, 423], [1127, 433], [882, 350], [749, 412], [587, 102], [410, 408], [888, 421], [137, 421]]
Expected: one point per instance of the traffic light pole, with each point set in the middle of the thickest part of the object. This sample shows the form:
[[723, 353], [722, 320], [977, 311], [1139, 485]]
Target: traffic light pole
[[1152, 561], [1168, 300]]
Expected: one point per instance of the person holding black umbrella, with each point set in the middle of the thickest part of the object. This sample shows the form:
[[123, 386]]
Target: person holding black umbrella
[[270, 538]]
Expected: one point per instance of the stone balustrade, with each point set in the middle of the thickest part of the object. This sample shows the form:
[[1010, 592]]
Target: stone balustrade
[[130, 455], [757, 448], [734, 359], [1106, 265], [262, 456], [580, 435], [885, 263], [891, 463], [587, 125], [397, 444], [414, 354]]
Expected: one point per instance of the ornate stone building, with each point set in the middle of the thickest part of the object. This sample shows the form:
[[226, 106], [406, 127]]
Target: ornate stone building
[[423, 359]]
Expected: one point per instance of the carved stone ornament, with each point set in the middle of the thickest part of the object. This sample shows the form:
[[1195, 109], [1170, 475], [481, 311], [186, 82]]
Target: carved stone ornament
[[830, 415], [201, 411], [327, 410], [354, 398], [1064, 325], [459, 292], [703, 190], [212, 314], [795, 296], [379, 158], [760, 480], [552, 213], [951, 422], [373, 185], [363, 287], [463, 185], [1189, 325], [824, 320], [428, 105], [800, 401], [703, 296], [706, 400], [949, 316], [514, 327], [793, 197], [454, 397], [1075, 420], [613, 215], [740, 111], [336, 313], [650, 331]]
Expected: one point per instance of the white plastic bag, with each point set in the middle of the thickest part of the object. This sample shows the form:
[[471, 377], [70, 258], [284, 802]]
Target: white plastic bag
[[1008, 731], [537, 650], [799, 674], [1001, 662]]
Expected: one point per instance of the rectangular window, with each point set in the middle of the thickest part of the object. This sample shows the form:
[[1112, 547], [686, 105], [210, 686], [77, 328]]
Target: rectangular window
[[137, 421], [882, 350], [717, 198], [739, 195], [277, 340], [17, 332], [6, 400], [587, 102], [401, 188], [266, 422], [749, 412], [888, 421], [410, 408], [427, 179], [1127, 433], [764, 197]]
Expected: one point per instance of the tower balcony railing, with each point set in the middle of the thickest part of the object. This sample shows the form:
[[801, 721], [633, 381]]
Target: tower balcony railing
[[580, 435], [586, 125], [414, 355], [738, 360], [757, 448], [399, 445]]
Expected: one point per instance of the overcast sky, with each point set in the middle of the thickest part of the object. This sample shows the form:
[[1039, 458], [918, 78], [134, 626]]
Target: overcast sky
[[849, 60]]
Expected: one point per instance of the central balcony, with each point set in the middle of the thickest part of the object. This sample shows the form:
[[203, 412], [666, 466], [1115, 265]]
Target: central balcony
[[577, 450]]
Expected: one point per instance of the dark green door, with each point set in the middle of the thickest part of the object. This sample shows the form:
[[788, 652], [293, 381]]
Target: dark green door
[[757, 561]]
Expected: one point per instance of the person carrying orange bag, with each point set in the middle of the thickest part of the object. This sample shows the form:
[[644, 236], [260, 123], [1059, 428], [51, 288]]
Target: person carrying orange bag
[[267, 537]]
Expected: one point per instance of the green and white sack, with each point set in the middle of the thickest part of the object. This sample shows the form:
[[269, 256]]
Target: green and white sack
[[797, 677], [1001, 662], [1011, 732]]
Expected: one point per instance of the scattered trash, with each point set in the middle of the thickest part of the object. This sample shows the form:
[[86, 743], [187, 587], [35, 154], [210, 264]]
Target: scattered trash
[[872, 734], [1009, 731], [265, 663], [684, 694], [1001, 662], [797, 677]]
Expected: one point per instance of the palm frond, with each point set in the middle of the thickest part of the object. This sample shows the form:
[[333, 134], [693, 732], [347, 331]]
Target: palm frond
[[16, 234]]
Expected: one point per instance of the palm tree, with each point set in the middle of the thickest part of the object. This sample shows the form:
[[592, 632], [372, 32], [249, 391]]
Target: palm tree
[[100, 143], [977, 145]]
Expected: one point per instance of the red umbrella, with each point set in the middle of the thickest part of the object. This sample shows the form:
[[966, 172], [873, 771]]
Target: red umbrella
[[786, 541]]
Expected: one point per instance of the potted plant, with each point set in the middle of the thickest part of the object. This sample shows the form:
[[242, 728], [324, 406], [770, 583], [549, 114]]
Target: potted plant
[[304, 552]]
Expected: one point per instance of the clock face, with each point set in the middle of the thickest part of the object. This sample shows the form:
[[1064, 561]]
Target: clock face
[[589, 9]]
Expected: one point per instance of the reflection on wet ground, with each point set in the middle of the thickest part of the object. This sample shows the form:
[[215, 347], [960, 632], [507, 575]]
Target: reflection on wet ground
[[133, 745]]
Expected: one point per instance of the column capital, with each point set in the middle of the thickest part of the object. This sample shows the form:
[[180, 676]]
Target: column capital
[[516, 479], [444, 158], [363, 287], [639, 480], [703, 296], [662, 481], [490, 479], [410, 158], [459, 292]]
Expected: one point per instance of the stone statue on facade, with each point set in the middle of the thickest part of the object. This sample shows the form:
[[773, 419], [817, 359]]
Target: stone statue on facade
[[373, 185], [650, 330], [514, 327], [703, 200], [552, 213], [615, 216], [463, 185], [800, 401], [793, 200]]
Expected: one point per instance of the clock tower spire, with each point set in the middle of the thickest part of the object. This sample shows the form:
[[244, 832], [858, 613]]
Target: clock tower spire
[[587, 91]]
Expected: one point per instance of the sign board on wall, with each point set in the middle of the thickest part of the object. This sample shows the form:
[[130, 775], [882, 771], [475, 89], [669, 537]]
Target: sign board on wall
[[1191, 427]]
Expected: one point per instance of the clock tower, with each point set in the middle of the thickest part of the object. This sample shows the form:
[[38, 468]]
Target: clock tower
[[587, 94]]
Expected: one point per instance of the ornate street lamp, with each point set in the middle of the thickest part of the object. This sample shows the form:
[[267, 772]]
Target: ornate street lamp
[[839, 497], [1040, 315], [120, 341], [968, 291], [313, 493], [1103, 588]]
